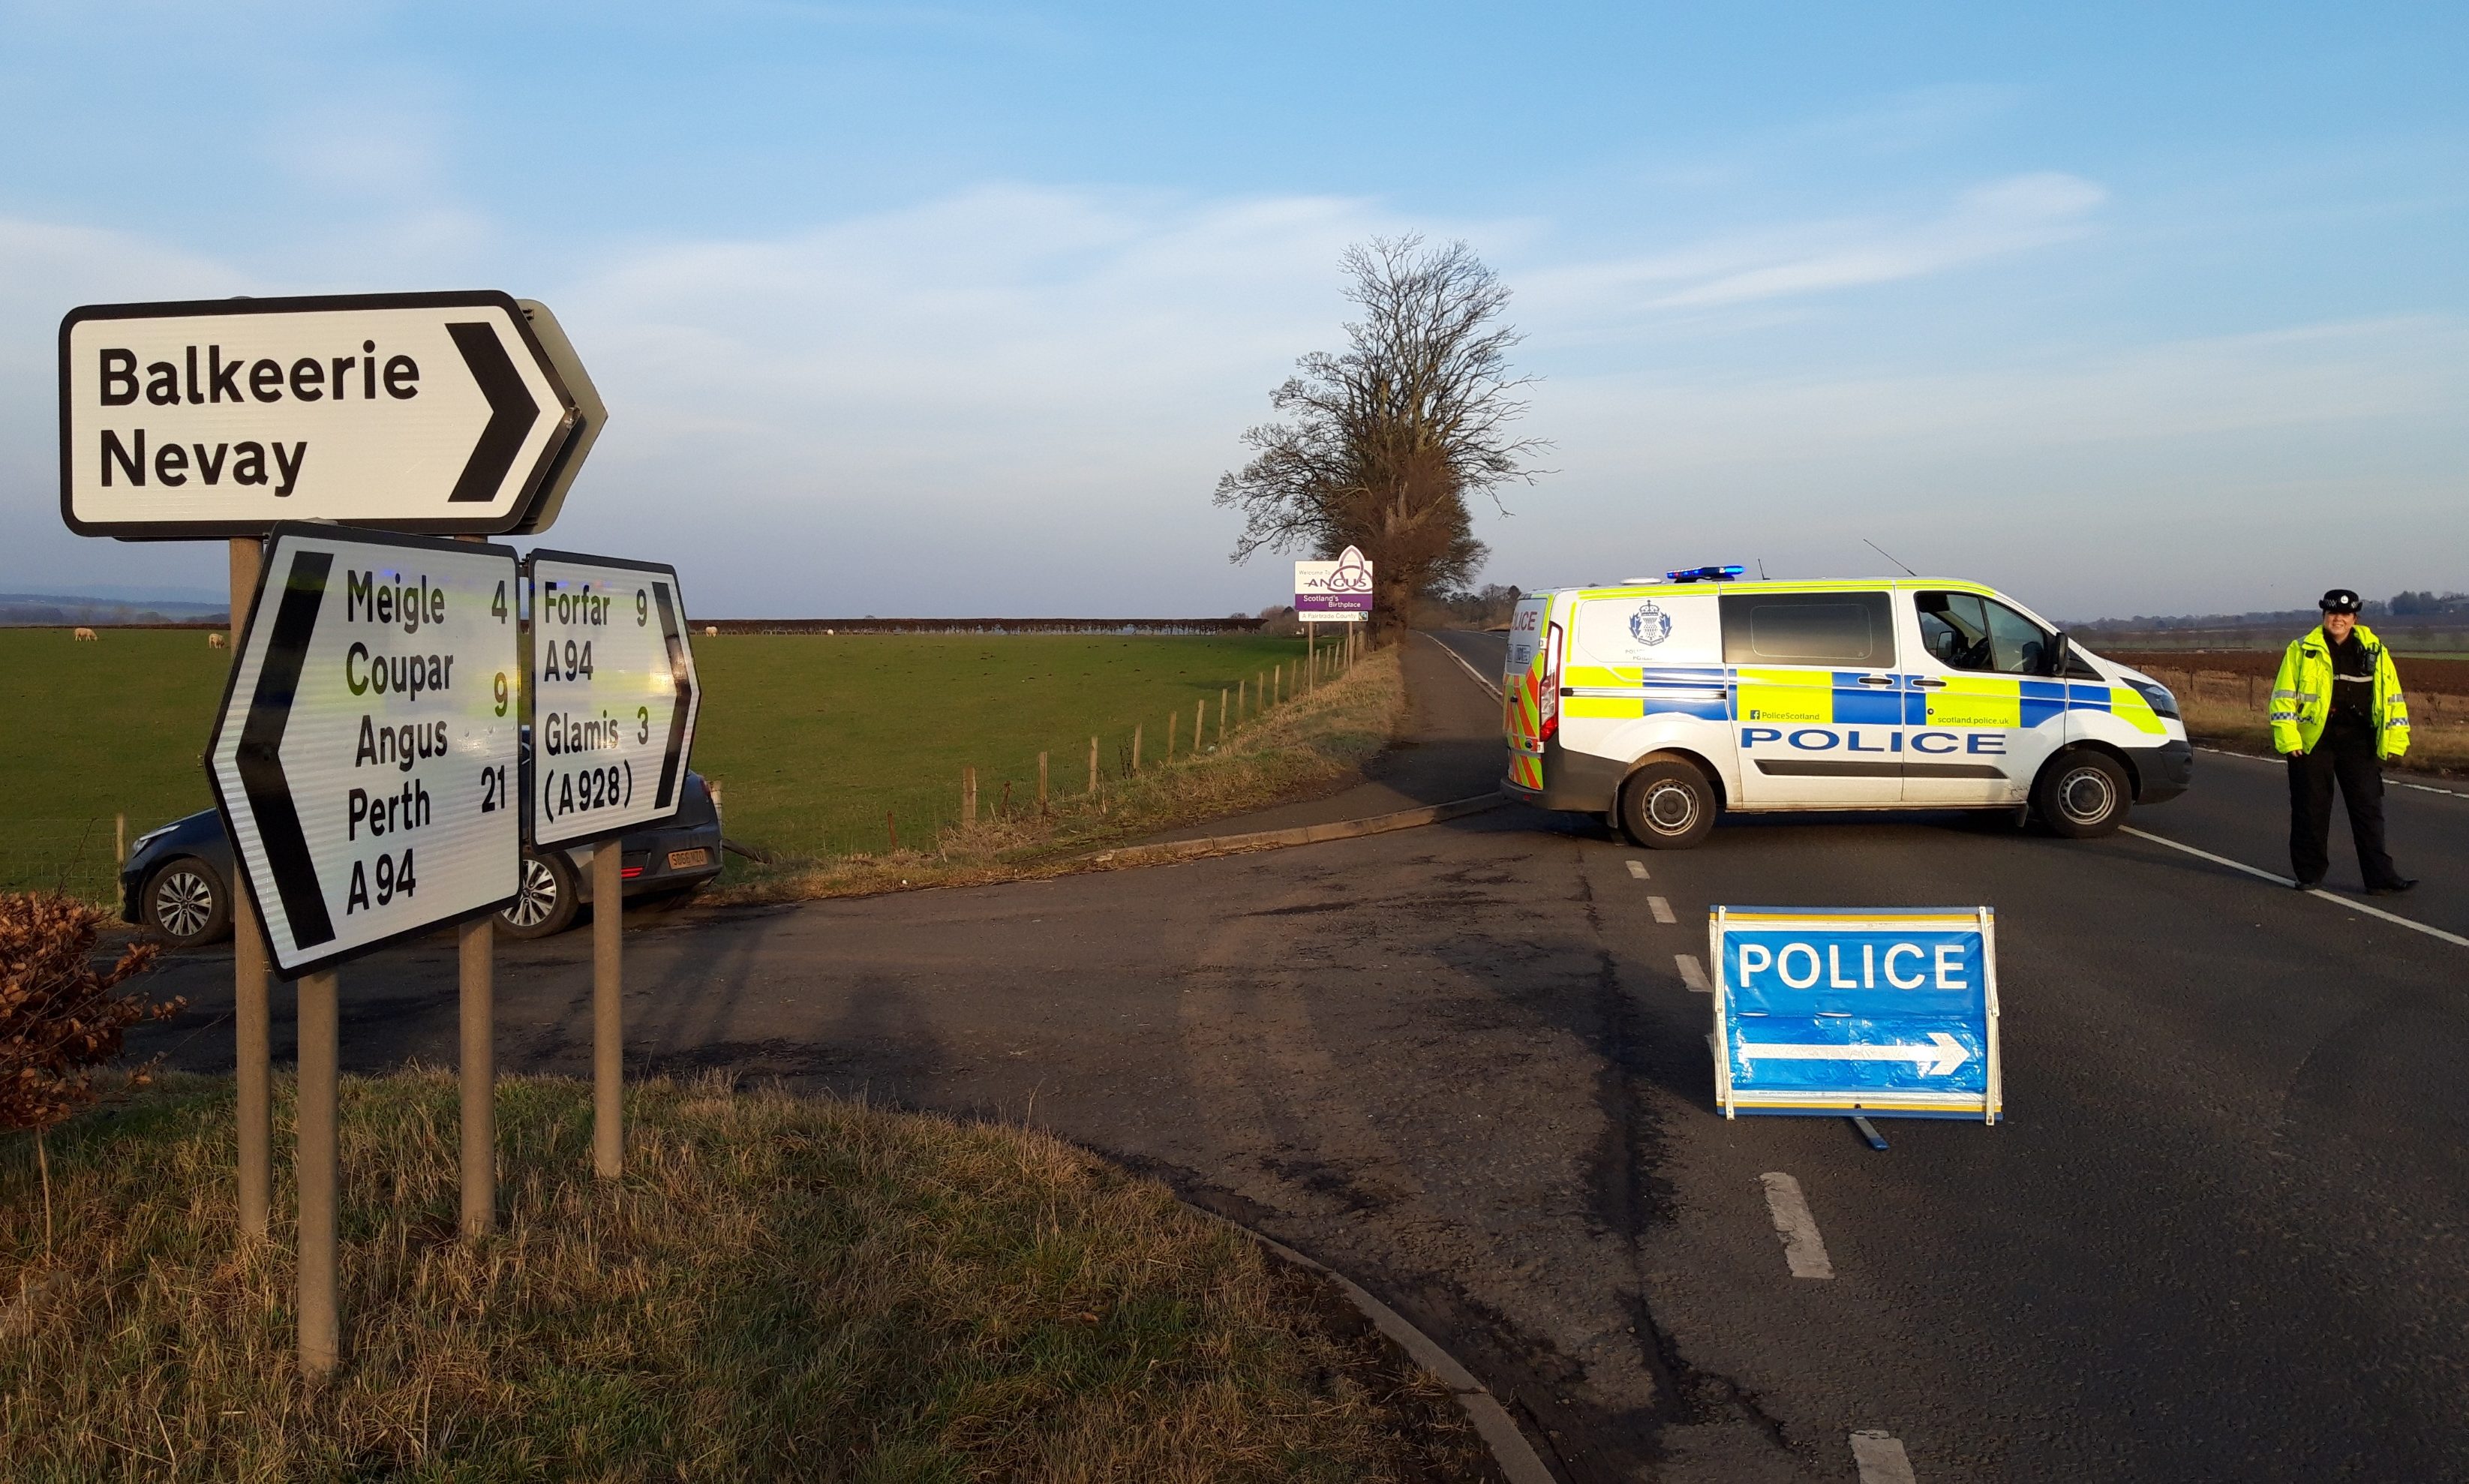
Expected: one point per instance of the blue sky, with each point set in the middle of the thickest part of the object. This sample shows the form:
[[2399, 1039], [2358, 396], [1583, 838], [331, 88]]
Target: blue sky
[[959, 309]]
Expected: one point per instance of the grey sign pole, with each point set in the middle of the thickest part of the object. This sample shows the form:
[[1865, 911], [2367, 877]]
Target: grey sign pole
[[252, 1018], [608, 1010], [316, 1166], [479, 1070]]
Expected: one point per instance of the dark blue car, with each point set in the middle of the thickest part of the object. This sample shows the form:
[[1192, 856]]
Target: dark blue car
[[177, 880]]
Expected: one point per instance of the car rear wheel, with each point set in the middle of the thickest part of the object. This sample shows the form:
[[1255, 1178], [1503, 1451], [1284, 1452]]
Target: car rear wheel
[[2083, 794], [187, 903], [1668, 806], [545, 903]]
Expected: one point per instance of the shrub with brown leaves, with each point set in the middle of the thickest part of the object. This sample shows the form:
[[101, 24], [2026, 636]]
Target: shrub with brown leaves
[[61, 1019]]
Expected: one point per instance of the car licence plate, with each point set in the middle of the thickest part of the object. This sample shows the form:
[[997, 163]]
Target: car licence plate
[[680, 859]]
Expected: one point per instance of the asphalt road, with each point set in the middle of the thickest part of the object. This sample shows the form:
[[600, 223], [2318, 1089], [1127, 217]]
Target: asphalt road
[[2219, 1238]]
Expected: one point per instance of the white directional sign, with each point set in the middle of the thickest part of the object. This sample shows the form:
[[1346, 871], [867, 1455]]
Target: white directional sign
[[613, 696], [370, 742], [410, 411]]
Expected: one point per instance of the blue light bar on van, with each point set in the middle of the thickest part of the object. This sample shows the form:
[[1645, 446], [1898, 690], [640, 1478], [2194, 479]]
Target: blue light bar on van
[[1704, 574]]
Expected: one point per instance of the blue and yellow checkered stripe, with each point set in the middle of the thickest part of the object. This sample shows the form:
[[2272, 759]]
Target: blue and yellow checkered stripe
[[1807, 697]]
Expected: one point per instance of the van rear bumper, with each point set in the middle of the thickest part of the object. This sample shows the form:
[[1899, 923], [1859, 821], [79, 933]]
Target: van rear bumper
[[1580, 782]]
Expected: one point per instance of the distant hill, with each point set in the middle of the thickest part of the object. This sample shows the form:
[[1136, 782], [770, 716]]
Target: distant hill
[[21, 610]]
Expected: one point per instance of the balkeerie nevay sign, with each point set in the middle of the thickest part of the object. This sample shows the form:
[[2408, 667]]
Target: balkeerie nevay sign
[[415, 411], [369, 753]]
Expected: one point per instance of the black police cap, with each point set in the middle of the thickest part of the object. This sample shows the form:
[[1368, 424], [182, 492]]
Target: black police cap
[[2339, 600]]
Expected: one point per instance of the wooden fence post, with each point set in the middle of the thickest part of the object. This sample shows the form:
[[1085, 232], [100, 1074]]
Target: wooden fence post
[[1170, 734], [1221, 715], [1199, 720], [1041, 784], [969, 795], [1092, 767], [1135, 747]]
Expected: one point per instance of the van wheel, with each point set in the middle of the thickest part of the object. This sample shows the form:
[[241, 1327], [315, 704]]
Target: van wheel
[[1666, 806], [2083, 794]]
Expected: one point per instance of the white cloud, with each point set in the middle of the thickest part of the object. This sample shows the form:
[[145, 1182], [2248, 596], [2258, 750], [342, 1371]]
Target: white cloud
[[1019, 398], [1995, 220]]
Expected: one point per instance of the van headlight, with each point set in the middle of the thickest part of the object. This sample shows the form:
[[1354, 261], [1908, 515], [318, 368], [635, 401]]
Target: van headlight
[[2157, 697], [147, 839]]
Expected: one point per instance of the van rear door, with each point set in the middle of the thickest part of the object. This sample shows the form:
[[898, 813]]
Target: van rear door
[[1523, 687]]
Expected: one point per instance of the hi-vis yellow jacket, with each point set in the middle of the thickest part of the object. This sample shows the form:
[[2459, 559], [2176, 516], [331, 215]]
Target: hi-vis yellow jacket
[[2302, 697]]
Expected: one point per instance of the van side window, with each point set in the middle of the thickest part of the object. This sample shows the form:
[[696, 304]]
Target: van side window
[[1963, 631], [1852, 631]]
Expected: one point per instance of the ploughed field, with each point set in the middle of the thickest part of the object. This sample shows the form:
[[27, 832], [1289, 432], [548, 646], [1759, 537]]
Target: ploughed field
[[2227, 697], [813, 738]]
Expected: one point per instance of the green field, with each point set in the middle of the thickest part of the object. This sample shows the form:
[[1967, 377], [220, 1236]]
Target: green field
[[813, 737]]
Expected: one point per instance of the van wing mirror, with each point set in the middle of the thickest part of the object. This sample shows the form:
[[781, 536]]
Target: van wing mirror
[[2062, 653]]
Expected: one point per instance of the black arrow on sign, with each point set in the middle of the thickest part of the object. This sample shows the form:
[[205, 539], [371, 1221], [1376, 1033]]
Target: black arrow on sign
[[684, 693], [512, 412], [260, 753]]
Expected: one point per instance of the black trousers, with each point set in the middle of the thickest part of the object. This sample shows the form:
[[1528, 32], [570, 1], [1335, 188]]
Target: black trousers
[[2350, 760]]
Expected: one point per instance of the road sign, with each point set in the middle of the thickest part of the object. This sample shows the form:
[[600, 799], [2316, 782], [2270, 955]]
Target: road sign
[[221, 417], [1874, 1011], [1338, 591], [613, 696], [370, 740], [590, 415]]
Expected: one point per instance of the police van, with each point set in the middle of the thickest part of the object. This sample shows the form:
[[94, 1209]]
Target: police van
[[1661, 704]]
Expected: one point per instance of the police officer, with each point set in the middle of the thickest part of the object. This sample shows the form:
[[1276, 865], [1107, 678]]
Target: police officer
[[2337, 713]]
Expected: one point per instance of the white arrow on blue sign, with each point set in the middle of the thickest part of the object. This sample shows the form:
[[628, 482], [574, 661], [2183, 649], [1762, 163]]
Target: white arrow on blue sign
[[1875, 1010]]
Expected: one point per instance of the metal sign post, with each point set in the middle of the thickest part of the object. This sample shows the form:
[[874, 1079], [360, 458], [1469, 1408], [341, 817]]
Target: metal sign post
[[613, 701], [252, 1016], [363, 761], [1873, 1011]]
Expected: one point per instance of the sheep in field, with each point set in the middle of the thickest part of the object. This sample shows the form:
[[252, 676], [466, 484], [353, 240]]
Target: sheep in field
[[83, 634], [710, 630], [214, 642]]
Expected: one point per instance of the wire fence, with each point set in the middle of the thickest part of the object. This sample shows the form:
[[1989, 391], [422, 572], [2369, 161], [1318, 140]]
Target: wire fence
[[78, 855]]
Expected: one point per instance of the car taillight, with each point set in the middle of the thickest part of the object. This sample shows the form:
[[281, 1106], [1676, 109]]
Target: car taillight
[[1547, 688], [630, 872]]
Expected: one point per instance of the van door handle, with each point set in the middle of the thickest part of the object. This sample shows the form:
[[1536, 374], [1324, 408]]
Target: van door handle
[[1926, 683], [1877, 680]]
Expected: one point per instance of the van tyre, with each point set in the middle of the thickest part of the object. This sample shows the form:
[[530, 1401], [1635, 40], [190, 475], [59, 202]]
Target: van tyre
[[2083, 794], [187, 903], [547, 899], [1668, 806]]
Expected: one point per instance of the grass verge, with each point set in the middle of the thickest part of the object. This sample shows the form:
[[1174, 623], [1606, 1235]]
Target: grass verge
[[780, 1287], [1321, 738]]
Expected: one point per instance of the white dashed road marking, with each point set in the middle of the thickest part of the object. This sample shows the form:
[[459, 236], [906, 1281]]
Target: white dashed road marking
[[1662, 909], [1803, 1252], [1691, 973], [1881, 1459], [2394, 919], [1637, 868]]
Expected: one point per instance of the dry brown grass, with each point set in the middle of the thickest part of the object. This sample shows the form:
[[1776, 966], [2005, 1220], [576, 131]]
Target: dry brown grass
[[780, 1287], [1313, 741]]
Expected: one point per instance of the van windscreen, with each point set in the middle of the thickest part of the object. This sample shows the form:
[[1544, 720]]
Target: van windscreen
[[1853, 630]]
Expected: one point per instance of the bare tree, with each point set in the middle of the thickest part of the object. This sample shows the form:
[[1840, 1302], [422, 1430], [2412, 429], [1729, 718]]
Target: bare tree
[[1384, 442]]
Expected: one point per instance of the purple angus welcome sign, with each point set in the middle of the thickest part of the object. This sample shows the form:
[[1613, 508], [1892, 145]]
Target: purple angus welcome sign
[[1338, 591]]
